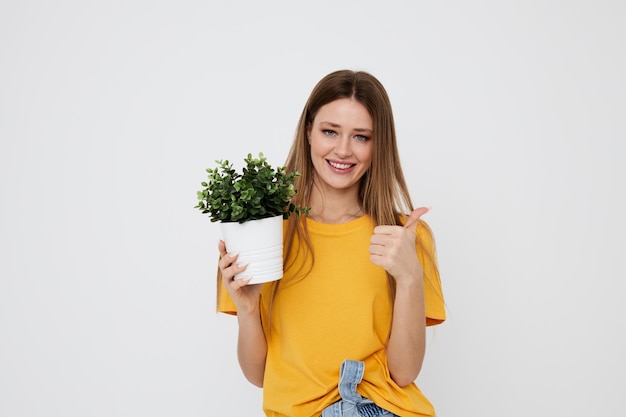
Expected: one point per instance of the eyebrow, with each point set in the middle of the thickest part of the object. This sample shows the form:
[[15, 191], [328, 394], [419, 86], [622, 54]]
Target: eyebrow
[[358, 129]]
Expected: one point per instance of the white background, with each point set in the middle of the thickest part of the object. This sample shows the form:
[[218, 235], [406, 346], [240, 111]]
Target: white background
[[510, 116]]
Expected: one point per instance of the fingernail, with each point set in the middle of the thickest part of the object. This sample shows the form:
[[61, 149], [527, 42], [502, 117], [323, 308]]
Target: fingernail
[[242, 265], [232, 255]]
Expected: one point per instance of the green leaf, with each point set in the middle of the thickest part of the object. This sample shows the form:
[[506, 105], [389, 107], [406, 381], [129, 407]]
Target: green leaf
[[258, 191]]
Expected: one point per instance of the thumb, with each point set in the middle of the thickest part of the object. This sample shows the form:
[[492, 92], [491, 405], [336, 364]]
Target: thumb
[[415, 216]]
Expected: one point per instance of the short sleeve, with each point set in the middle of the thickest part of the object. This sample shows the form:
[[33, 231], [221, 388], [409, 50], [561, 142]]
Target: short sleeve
[[224, 303], [433, 293]]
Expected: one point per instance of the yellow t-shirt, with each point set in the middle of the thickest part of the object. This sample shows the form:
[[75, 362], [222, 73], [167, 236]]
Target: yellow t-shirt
[[341, 310]]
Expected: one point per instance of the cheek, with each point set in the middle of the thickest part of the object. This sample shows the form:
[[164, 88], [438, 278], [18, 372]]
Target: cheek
[[367, 153], [316, 150], [318, 145]]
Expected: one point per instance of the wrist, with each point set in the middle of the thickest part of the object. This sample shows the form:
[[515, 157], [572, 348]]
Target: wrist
[[410, 282], [245, 312]]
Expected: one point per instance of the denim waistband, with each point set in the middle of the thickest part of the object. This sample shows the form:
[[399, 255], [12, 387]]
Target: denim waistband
[[352, 404]]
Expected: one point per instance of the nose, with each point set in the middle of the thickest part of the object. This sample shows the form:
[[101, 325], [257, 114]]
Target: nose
[[343, 147]]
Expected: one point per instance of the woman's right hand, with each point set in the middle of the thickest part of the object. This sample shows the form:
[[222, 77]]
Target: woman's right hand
[[245, 297]]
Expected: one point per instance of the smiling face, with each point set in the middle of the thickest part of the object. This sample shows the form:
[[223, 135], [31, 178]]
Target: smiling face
[[341, 145]]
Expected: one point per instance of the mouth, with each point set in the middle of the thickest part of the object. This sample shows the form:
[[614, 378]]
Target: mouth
[[342, 166]]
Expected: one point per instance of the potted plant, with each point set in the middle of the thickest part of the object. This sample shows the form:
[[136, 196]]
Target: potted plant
[[250, 207]]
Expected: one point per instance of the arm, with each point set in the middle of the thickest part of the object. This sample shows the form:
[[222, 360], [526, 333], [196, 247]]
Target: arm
[[251, 343], [393, 248], [406, 346]]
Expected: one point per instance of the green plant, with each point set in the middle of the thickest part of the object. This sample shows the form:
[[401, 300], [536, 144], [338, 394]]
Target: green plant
[[259, 192]]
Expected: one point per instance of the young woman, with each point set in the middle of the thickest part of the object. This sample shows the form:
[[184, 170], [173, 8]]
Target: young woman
[[343, 332]]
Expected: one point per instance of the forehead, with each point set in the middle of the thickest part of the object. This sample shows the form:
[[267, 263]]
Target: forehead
[[344, 112]]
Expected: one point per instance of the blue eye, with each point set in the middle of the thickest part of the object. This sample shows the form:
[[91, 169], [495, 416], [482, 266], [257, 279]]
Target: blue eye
[[329, 132], [361, 138]]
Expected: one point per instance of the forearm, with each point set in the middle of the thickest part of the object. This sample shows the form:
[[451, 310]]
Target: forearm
[[251, 347], [406, 347]]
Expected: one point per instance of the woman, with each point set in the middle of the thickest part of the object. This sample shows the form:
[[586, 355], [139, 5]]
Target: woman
[[343, 332]]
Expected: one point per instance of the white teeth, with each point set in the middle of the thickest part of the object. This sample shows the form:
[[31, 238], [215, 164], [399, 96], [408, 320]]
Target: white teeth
[[340, 166]]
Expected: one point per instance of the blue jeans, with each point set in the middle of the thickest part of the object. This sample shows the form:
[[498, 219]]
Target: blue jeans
[[352, 404]]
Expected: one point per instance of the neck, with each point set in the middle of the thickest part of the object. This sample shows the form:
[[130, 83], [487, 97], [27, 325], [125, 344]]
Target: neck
[[340, 207]]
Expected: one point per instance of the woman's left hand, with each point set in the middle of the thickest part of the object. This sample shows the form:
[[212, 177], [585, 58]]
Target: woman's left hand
[[393, 248]]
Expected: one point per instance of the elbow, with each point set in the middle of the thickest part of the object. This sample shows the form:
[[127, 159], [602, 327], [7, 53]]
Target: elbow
[[405, 377], [256, 382], [255, 378], [403, 381]]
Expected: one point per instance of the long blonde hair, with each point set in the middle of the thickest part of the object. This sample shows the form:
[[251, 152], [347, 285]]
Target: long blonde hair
[[383, 191]]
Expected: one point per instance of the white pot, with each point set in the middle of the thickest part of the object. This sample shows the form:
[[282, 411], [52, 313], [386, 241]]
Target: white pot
[[259, 244]]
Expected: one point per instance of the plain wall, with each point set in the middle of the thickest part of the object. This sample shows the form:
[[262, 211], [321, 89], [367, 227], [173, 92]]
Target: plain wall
[[510, 118]]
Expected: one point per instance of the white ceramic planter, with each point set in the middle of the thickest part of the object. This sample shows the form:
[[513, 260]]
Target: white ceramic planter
[[259, 244]]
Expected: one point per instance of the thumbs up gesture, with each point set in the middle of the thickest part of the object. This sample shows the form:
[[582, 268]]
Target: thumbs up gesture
[[393, 248]]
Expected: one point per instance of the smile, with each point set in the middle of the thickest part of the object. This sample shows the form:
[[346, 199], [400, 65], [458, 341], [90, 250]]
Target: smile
[[339, 165]]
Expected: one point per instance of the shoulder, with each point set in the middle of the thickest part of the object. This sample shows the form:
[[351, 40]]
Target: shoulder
[[425, 237], [424, 232]]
